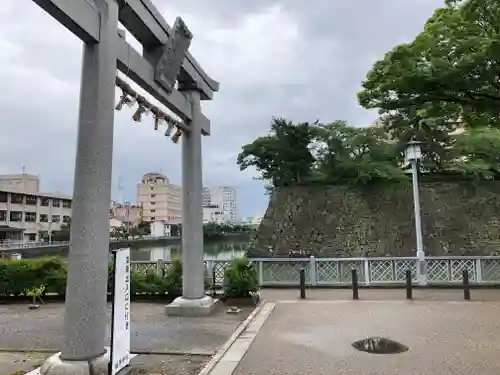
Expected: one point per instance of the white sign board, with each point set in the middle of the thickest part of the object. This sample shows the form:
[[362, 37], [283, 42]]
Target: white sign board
[[120, 345]]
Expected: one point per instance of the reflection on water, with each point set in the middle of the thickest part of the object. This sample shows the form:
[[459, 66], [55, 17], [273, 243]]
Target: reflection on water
[[212, 251]]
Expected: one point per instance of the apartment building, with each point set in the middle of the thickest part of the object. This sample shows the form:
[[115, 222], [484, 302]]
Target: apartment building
[[159, 199], [26, 216], [223, 197]]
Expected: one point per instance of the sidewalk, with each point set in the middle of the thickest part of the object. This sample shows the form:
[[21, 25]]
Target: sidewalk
[[314, 337]]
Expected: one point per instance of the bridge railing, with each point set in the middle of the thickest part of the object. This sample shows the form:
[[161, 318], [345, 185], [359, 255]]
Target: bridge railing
[[371, 271], [12, 245]]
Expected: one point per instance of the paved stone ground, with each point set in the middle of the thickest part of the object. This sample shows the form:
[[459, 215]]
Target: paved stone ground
[[381, 294], [152, 330], [314, 338], [12, 363]]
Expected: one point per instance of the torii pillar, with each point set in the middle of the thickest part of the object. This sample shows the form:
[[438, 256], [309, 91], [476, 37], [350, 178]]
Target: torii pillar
[[194, 301]]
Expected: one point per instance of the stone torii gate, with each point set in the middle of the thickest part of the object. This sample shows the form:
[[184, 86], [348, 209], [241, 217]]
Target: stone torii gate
[[172, 76]]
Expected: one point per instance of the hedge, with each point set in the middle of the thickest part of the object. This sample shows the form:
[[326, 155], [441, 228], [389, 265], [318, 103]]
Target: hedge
[[18, 276]]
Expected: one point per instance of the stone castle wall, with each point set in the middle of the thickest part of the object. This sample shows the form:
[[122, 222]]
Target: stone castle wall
[[458, 218]]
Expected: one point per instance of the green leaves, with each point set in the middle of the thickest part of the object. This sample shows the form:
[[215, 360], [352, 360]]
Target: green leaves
[[283, 156], [327, 154], [453, 63]]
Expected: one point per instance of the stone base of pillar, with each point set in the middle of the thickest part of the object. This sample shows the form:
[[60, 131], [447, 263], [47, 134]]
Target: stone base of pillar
[[191, 307], [54, 365]]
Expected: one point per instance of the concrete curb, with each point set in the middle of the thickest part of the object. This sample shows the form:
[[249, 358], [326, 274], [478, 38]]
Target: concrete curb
[[411, 301], [225, 347]]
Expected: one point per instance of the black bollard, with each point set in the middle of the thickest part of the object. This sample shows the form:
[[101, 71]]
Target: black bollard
[[214, 292], [354, 277], [465, 279], [302, 283], [409, 291]]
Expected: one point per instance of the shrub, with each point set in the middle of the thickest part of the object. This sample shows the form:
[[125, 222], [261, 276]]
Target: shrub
[[19, 276], [240, 279], [173, 278]]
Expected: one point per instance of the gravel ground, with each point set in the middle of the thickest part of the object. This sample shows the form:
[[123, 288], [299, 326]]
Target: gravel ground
[[152, 330], [21, 363]]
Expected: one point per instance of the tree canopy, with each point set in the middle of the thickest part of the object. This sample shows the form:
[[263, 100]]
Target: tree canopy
[[452, 67], [333, 153]]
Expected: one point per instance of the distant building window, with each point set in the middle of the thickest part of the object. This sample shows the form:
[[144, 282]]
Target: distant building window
[[16, 216], [44, 202], [30, 217], [31, 200], [153, 218], [30, 236], [56, 218], [44, 218], [3, 215], [66, 219], [4, 197], [153, 203], [153, 210], [152, 188], [16, 198], [66, 204], [153, 195], [56, 203]]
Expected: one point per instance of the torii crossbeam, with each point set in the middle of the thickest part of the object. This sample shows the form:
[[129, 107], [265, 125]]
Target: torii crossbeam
[[169, 73]]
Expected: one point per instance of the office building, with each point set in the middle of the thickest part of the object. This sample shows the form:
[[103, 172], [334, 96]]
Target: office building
[[31, 216], [26, 214], [223, 197], [214, 214], [159, 199]]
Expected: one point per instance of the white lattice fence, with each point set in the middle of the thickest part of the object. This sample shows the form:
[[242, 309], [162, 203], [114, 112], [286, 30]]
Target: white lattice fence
[[144, 267], [391, 270], [490, 270], [441, 270], [284, 272]]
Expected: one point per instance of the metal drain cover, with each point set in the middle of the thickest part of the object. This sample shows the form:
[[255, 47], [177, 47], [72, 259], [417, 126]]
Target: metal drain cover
[[379, 345]]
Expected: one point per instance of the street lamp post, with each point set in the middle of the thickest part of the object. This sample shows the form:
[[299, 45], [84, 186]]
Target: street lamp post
[[413, 154]]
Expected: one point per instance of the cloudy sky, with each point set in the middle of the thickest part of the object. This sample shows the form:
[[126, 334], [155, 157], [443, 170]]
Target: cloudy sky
[[303, 60]]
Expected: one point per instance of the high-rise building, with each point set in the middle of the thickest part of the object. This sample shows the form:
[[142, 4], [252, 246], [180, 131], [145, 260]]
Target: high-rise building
[[159, 199], [223, 197]]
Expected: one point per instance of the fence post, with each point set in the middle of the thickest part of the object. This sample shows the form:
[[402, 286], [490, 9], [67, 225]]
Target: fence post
[[465, 279], [302, 281], [261, 273], [354, 278], [210, 266], [479, 270], [409, 291], [366, 267], [160, 267], [312, 270], [214, 282]]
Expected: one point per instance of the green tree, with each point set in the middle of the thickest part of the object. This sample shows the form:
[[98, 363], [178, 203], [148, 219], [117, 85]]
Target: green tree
[[144, 228], [477, 153], [452, 64], [283, 157], [347, 154]]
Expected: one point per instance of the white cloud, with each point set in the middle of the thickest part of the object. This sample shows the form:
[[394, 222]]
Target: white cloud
[[272, 57]]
